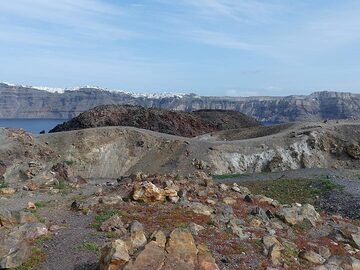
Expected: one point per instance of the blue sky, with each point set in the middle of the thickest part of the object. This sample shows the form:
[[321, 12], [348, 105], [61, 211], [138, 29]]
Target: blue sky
[[210, 47]]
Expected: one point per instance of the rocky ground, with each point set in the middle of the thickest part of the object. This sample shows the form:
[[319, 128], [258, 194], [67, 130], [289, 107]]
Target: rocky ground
[[186, 124], [169, 222], [287, 198]]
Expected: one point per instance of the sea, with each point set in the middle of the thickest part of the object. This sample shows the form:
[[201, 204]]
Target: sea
[[34, 126]]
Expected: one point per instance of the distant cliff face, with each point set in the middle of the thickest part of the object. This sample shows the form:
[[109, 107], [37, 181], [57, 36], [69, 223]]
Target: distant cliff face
[[29, 102]]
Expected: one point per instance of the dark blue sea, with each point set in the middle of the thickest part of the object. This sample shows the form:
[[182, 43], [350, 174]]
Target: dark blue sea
[[31, 125]]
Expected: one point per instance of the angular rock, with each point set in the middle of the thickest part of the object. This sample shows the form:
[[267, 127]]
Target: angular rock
[[259, 212], [195, 228], [29, 231], [13, 252], [148, 192], [159, 238], [114, 255], [341, 263], [200, 208], [272, 249], [298, 213], [312, 257], [205, 259], [137, 235], [7, 219], [181, 251], [151, 258]]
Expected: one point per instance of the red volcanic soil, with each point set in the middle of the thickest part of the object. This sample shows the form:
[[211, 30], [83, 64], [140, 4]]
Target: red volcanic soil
[[186, 124]]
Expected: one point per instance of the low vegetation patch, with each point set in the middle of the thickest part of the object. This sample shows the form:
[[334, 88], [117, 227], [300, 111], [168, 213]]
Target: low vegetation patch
[[292, 190], [3, 184], [91, 246], [99, 219]]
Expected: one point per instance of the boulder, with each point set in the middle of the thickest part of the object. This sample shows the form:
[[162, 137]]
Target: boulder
[[137, 235], [272, 249], [181, 251], [312, 257], [148, 192], [30, 230], [159, 238], [298, 213], [151, 258], [114, 255], [13, 252], [200, 208]]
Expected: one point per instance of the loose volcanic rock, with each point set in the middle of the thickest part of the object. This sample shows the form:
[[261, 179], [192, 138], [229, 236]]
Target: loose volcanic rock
[[114, 255]]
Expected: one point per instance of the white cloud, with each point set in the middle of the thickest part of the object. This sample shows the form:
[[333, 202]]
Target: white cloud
[[219, 39]]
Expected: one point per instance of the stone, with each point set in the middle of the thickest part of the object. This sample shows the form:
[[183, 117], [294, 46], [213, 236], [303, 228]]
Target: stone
[[64, 172], [312, 257], [240, 189], [195, 228], [235, 226], [263, 199], [110, 200], [248, 199], [77, 206], [272, 249], [340, 262], [148, 192], [255, 222], [210, 201], [355, 240], [309, 213], [13, 252], [159, 238], [353, 150], [200, 208], [259, 212], [7, 191], [324, 252], [113, 224], [223, 187], [151, 258], [229, 200], [7, 219], [31, 230], [31, 206], [25, 217], [205, 259], [137, 235], [298, 213], [31, 186], [114, 255], [181, 251]]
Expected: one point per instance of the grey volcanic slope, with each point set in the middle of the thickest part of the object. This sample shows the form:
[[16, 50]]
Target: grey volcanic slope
[[26, 102], [187, 124]]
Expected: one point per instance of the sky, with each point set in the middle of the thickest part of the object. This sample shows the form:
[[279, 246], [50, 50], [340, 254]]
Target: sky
[[207, 47]]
